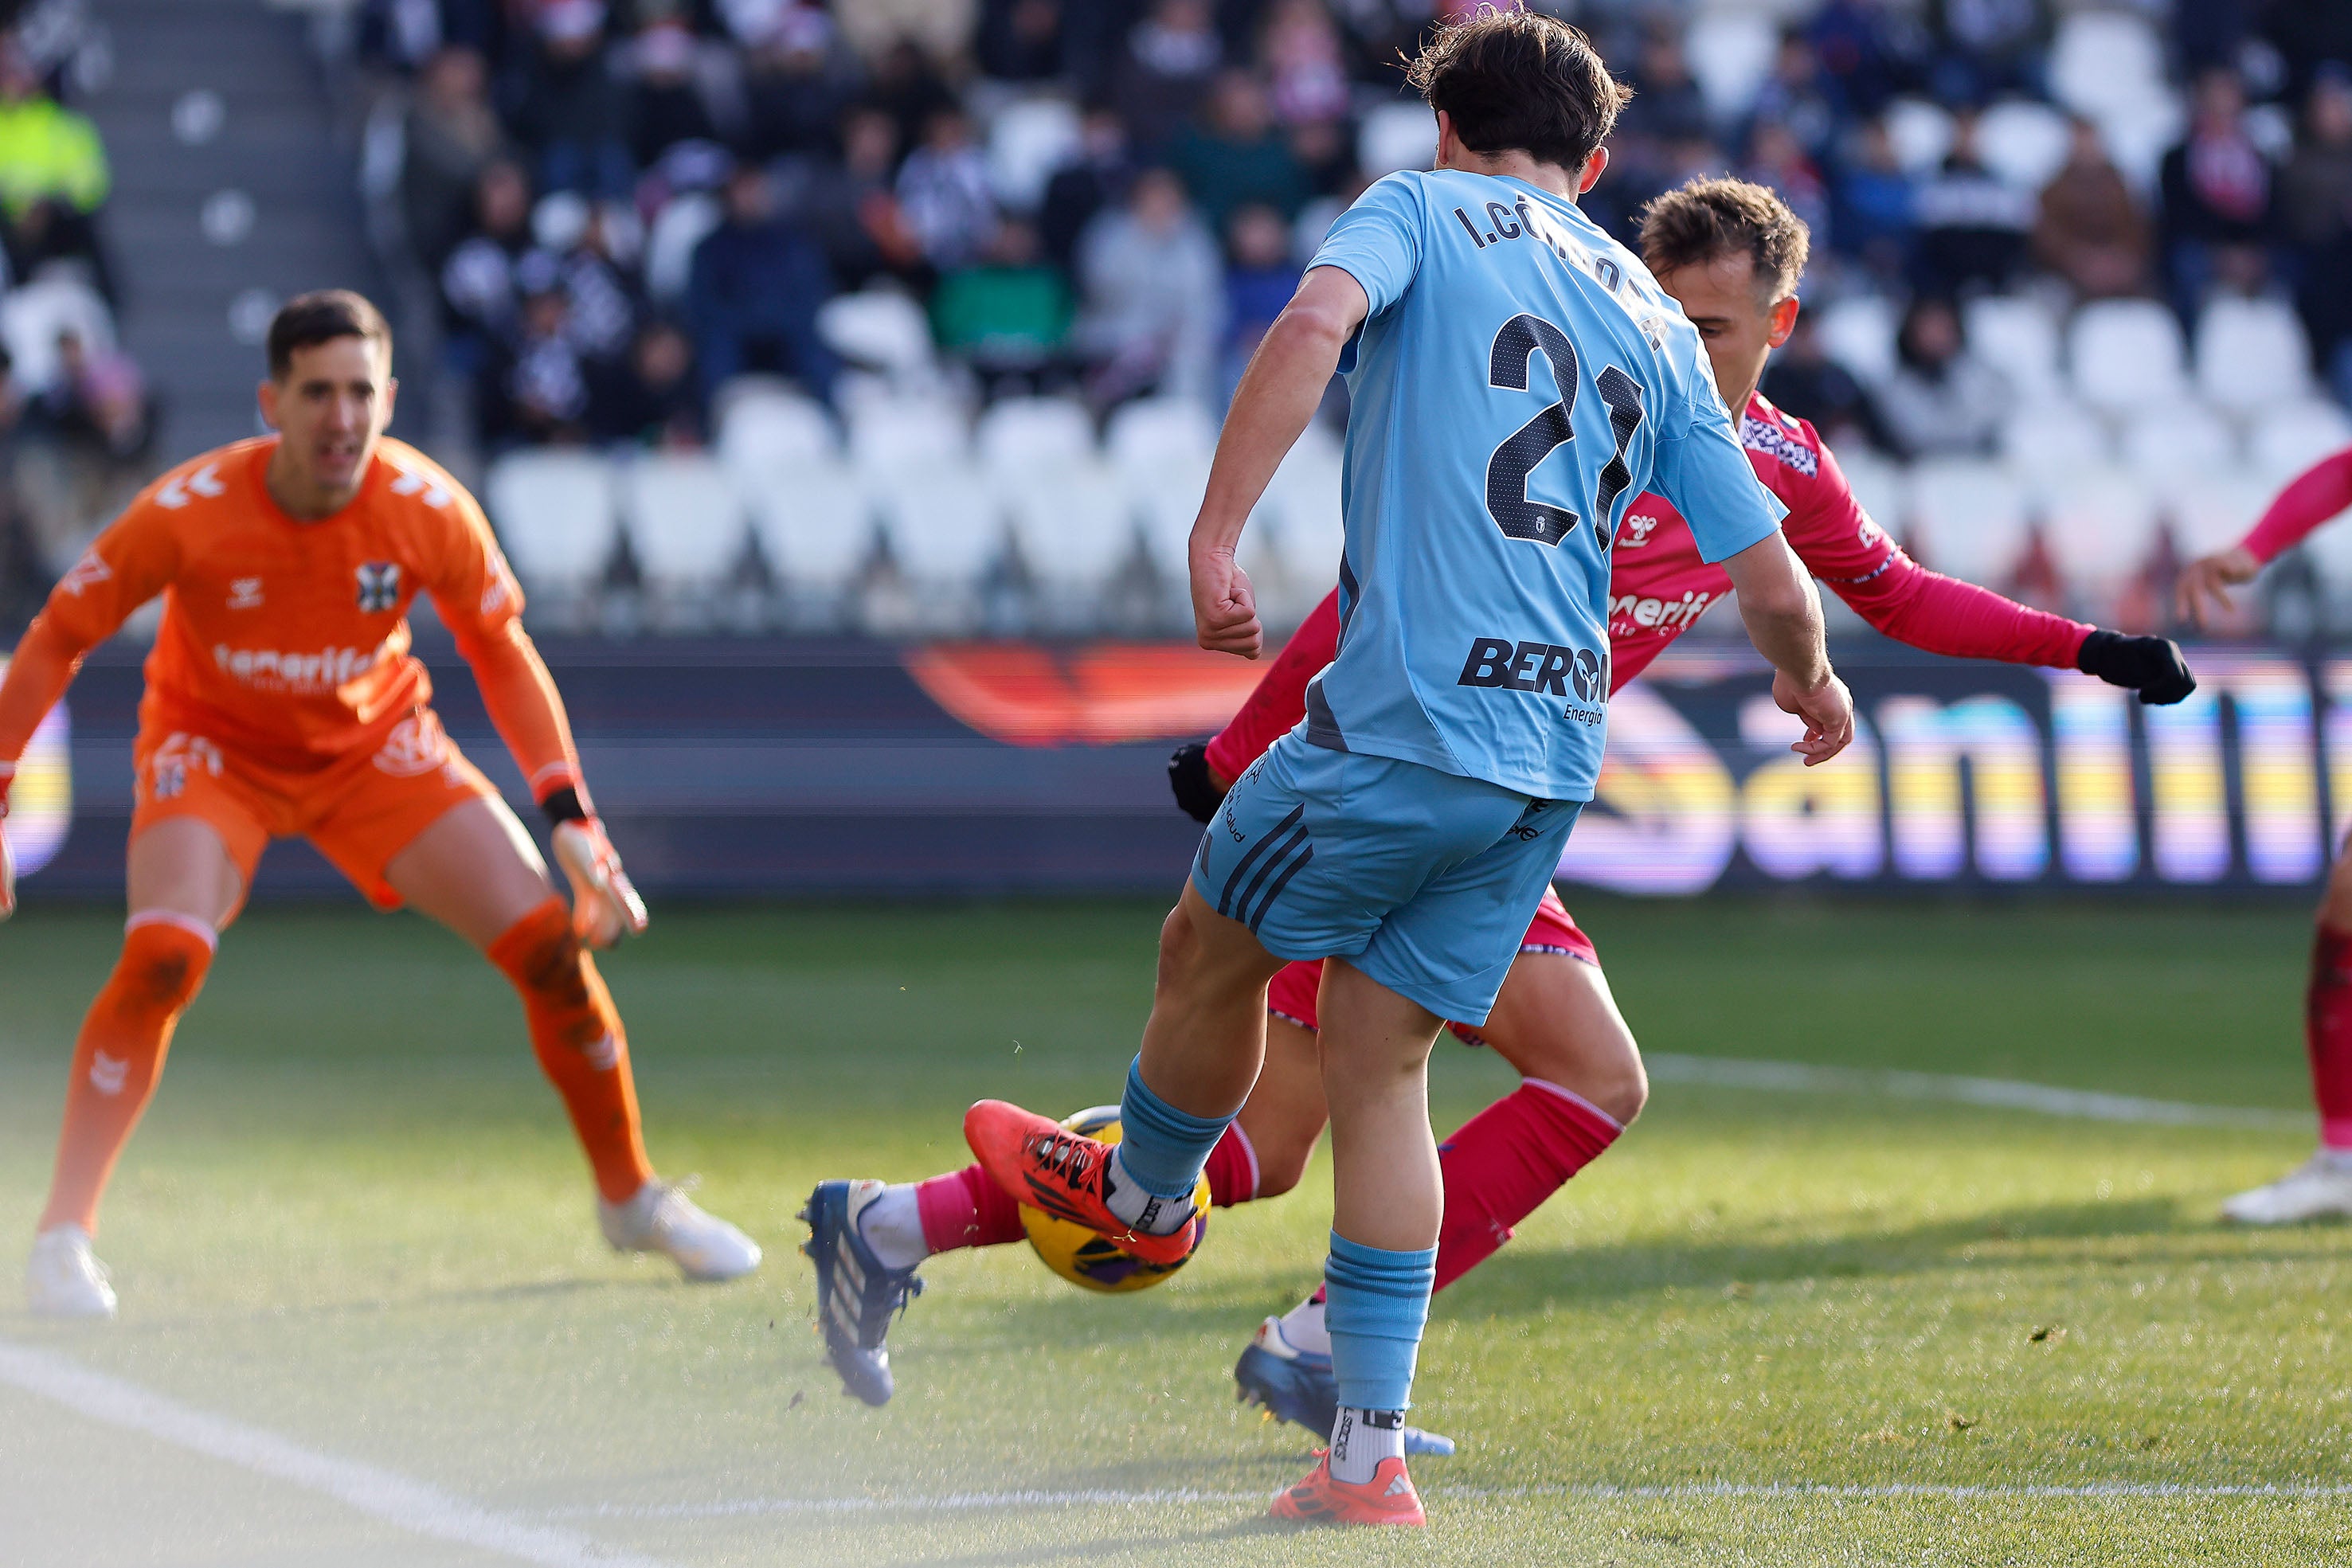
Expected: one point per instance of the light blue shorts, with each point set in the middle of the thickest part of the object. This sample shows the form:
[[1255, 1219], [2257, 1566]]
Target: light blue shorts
[[1423, 880]]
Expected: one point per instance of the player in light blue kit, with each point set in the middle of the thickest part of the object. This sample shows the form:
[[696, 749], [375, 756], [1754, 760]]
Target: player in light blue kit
[[1518, 379]]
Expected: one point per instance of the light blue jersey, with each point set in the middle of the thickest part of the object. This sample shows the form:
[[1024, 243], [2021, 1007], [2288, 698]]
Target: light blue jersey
[[1521, 378]]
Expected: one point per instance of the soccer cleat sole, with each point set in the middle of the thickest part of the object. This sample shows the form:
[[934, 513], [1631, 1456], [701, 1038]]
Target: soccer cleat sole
[[864, 1375]]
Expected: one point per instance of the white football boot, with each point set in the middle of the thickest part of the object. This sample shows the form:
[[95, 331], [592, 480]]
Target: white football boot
[[662, 1218], [63, 1279], [2319, 1188]]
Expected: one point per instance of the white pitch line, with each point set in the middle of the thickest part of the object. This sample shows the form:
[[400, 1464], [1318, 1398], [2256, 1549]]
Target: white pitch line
[[1999, 1094], [1687, 1491], [386, 1495]]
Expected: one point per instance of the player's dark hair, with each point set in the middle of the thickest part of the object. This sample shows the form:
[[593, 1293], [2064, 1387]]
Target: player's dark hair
[[1706, 219], [322, 316], [1521, 80]]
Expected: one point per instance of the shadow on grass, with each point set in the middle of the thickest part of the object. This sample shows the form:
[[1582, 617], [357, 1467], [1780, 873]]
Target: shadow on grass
[[1524, 1281]]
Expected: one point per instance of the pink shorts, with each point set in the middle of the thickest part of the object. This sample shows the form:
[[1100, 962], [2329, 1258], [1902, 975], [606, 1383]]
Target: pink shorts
[[1291, 994]]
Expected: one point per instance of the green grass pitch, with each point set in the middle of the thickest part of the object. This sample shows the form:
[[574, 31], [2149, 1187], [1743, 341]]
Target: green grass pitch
[[1771, 1327]]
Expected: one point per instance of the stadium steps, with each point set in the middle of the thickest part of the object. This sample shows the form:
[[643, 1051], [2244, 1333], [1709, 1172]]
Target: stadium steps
[[280, 145]]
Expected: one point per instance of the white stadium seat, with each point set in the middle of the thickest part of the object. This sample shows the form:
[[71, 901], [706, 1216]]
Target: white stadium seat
[[764, 433], [1302, 501], [1396, 136], [2103, 61], [2022, 143], [2290, 439], [1019, 434], [2252, 354], [2043, 439], [943, 522], [669, 249], [1151, 430], [2125, 354], [889, 435], [555, 516], [2212, 510], [684, 520], [2178, 441], [34, 313], [878, 329], [2100, 523], [2138, 134], [1967, 517], [1730, 54], [1882, 485], [1027, 141], [1166, 493], [2018, 338], [816, 532], [1074, 522], [1858, 332], [1920, 133]]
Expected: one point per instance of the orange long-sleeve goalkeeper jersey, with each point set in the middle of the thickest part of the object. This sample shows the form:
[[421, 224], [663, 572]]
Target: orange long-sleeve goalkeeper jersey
[[288, 640]]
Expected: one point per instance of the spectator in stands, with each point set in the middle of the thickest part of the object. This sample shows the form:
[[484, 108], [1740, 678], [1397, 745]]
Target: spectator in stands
[[1941, 400], [1802, 381], [1021, 40], [2315, 194], [1863, 62], [753, 293], [1097, 178], [1172, 55], [1305, 63], [86, 438], [1988, 47], [1793, 96], [2090, 231], [798, 80], [1236, 155], [1666, 116], [1152, 297], [666, 103], [848, 206], [574, 115], [1776, 159], [538, 385], [1975, 228], [53, 176], [1007, 314], [649, 399], [943, 195], [906, 86], [1877, 214], [2217, 198], [1260, 278], [478, 282], [595, 247], [450, 135]]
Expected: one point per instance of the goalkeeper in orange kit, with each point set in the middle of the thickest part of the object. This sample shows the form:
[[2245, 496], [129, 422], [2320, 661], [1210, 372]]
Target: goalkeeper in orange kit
[[282, 701]]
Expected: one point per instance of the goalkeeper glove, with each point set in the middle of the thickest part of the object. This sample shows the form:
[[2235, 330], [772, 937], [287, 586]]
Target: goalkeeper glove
[[604, 903], [1187, 775], [2151, 666]]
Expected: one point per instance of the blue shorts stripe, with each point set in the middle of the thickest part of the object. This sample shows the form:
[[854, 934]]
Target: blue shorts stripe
[[1274, 863], [1225, 899], [1274, 892]]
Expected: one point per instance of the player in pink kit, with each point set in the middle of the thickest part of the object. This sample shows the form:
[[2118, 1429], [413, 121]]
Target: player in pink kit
[[2323, 1184], [1731, 252]]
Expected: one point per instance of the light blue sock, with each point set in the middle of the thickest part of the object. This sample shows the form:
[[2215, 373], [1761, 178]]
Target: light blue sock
[[1376, 1303], [1160, 1147]]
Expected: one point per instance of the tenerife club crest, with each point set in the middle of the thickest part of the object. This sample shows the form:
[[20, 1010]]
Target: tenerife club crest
[[379, 586]]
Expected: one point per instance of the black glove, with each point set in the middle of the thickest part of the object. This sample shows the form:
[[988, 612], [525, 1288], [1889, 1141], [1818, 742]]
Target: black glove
[[563, 806], [1188, 776], [2152, 667]]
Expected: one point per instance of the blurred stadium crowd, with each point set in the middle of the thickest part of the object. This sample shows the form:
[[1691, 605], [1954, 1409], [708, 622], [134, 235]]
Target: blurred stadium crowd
[[918, 315]]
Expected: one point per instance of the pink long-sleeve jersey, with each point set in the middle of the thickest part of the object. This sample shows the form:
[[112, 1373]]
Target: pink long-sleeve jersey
[[1659, 587], [2315, 495]]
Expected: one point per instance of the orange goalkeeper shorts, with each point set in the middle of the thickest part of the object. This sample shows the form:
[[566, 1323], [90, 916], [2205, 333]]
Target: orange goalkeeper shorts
[[358, 812]]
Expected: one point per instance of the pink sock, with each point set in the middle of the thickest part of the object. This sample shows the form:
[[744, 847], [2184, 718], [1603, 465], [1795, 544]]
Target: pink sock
[[1504, 1162], [964, 1209], [1232, 1169], [2327, 1032]]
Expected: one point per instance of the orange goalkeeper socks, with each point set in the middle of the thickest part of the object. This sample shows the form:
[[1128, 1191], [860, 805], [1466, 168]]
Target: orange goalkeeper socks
[[118, 1055], [576, 1034]]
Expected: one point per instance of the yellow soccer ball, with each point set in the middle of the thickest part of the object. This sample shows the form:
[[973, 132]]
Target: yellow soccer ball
[[1093, 1262]]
